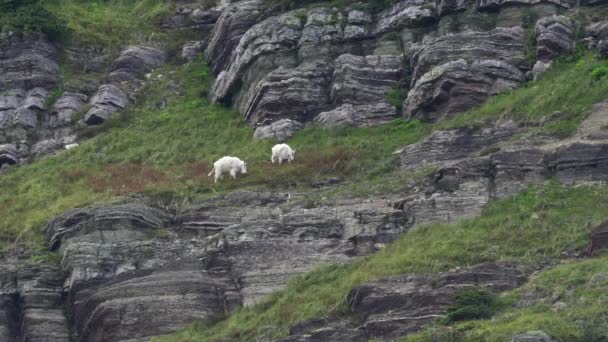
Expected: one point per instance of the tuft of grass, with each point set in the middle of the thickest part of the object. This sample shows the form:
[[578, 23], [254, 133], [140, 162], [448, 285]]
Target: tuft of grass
[[567, 87], [472, 304], [530, 228]]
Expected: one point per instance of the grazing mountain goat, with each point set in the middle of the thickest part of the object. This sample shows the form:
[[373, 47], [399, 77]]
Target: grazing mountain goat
[[282, 152], [232, 165]]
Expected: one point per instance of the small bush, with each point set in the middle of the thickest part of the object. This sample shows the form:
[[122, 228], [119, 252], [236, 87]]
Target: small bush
[[599, 72], [472, 304], [395, 97]]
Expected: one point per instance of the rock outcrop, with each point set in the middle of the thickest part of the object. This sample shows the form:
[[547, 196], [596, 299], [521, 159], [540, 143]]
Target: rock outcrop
[[281, 130], [31, 302], [598, 34], [554, 37], [104, 103], [393, 307], [135, 271], [458, 86]]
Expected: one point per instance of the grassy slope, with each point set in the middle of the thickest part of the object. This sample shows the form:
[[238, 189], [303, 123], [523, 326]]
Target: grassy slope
[[169, 151], [532, 227]]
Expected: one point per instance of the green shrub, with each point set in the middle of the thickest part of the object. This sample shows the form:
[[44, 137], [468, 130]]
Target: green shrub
[[472, 304], [599, 72], [28, 17]]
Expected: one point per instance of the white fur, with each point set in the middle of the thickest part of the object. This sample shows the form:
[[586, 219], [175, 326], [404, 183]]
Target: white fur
[[282, 152], [228, 164], [70, 146]]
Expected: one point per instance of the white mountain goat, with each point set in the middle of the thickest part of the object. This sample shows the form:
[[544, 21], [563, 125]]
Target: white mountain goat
[[282, 152], [228, 164]]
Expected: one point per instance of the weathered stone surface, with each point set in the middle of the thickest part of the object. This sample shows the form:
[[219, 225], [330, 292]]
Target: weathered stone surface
[[554, 37], [63, 111], [192, 49], [452, 6], [598, 34], [232, 24], [31, 302], [406, 13], [276, 34], [457, 86], [44, 147], [281, 130], [27, 64], [502, 44], [357, 115], [325, 330], [9, 155], [532, 336], [497, 4], [192, 17], [364, 79], [540, 68], [133, 63], [297, 94], [133, 271], [453, 145], [20, 108], [104, 103]]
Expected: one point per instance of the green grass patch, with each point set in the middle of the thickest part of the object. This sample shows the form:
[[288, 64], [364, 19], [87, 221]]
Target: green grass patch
[[109, 23], [532, 227]]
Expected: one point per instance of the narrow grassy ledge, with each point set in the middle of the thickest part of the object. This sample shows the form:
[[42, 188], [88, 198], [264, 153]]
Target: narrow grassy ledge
[[530, 228]]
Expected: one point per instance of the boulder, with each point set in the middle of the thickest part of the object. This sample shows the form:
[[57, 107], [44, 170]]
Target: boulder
[[9, 155], [281, 130], [63, 110], [104, 103], [458, 86], [133, 63], [554, 37]]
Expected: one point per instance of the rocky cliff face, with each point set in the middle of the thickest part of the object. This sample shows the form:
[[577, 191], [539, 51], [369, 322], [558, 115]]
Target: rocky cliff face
[[137, 269]]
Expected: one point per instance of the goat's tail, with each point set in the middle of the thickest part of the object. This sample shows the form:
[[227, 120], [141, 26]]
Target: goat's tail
[[210, 173]]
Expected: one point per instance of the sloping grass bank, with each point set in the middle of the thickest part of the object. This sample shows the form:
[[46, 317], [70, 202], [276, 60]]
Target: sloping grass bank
[[532, 227]]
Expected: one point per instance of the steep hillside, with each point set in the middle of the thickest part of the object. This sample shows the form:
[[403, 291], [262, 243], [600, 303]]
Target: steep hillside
[[450, 165]]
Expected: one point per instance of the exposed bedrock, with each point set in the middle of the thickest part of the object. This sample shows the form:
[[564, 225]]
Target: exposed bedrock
[[389, 308], [31, 307], [134, 271], [554, 37], [455, 87], [598, 34]]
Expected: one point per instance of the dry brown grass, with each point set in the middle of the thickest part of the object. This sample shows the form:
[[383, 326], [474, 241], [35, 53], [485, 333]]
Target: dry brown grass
[[127, 178]]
